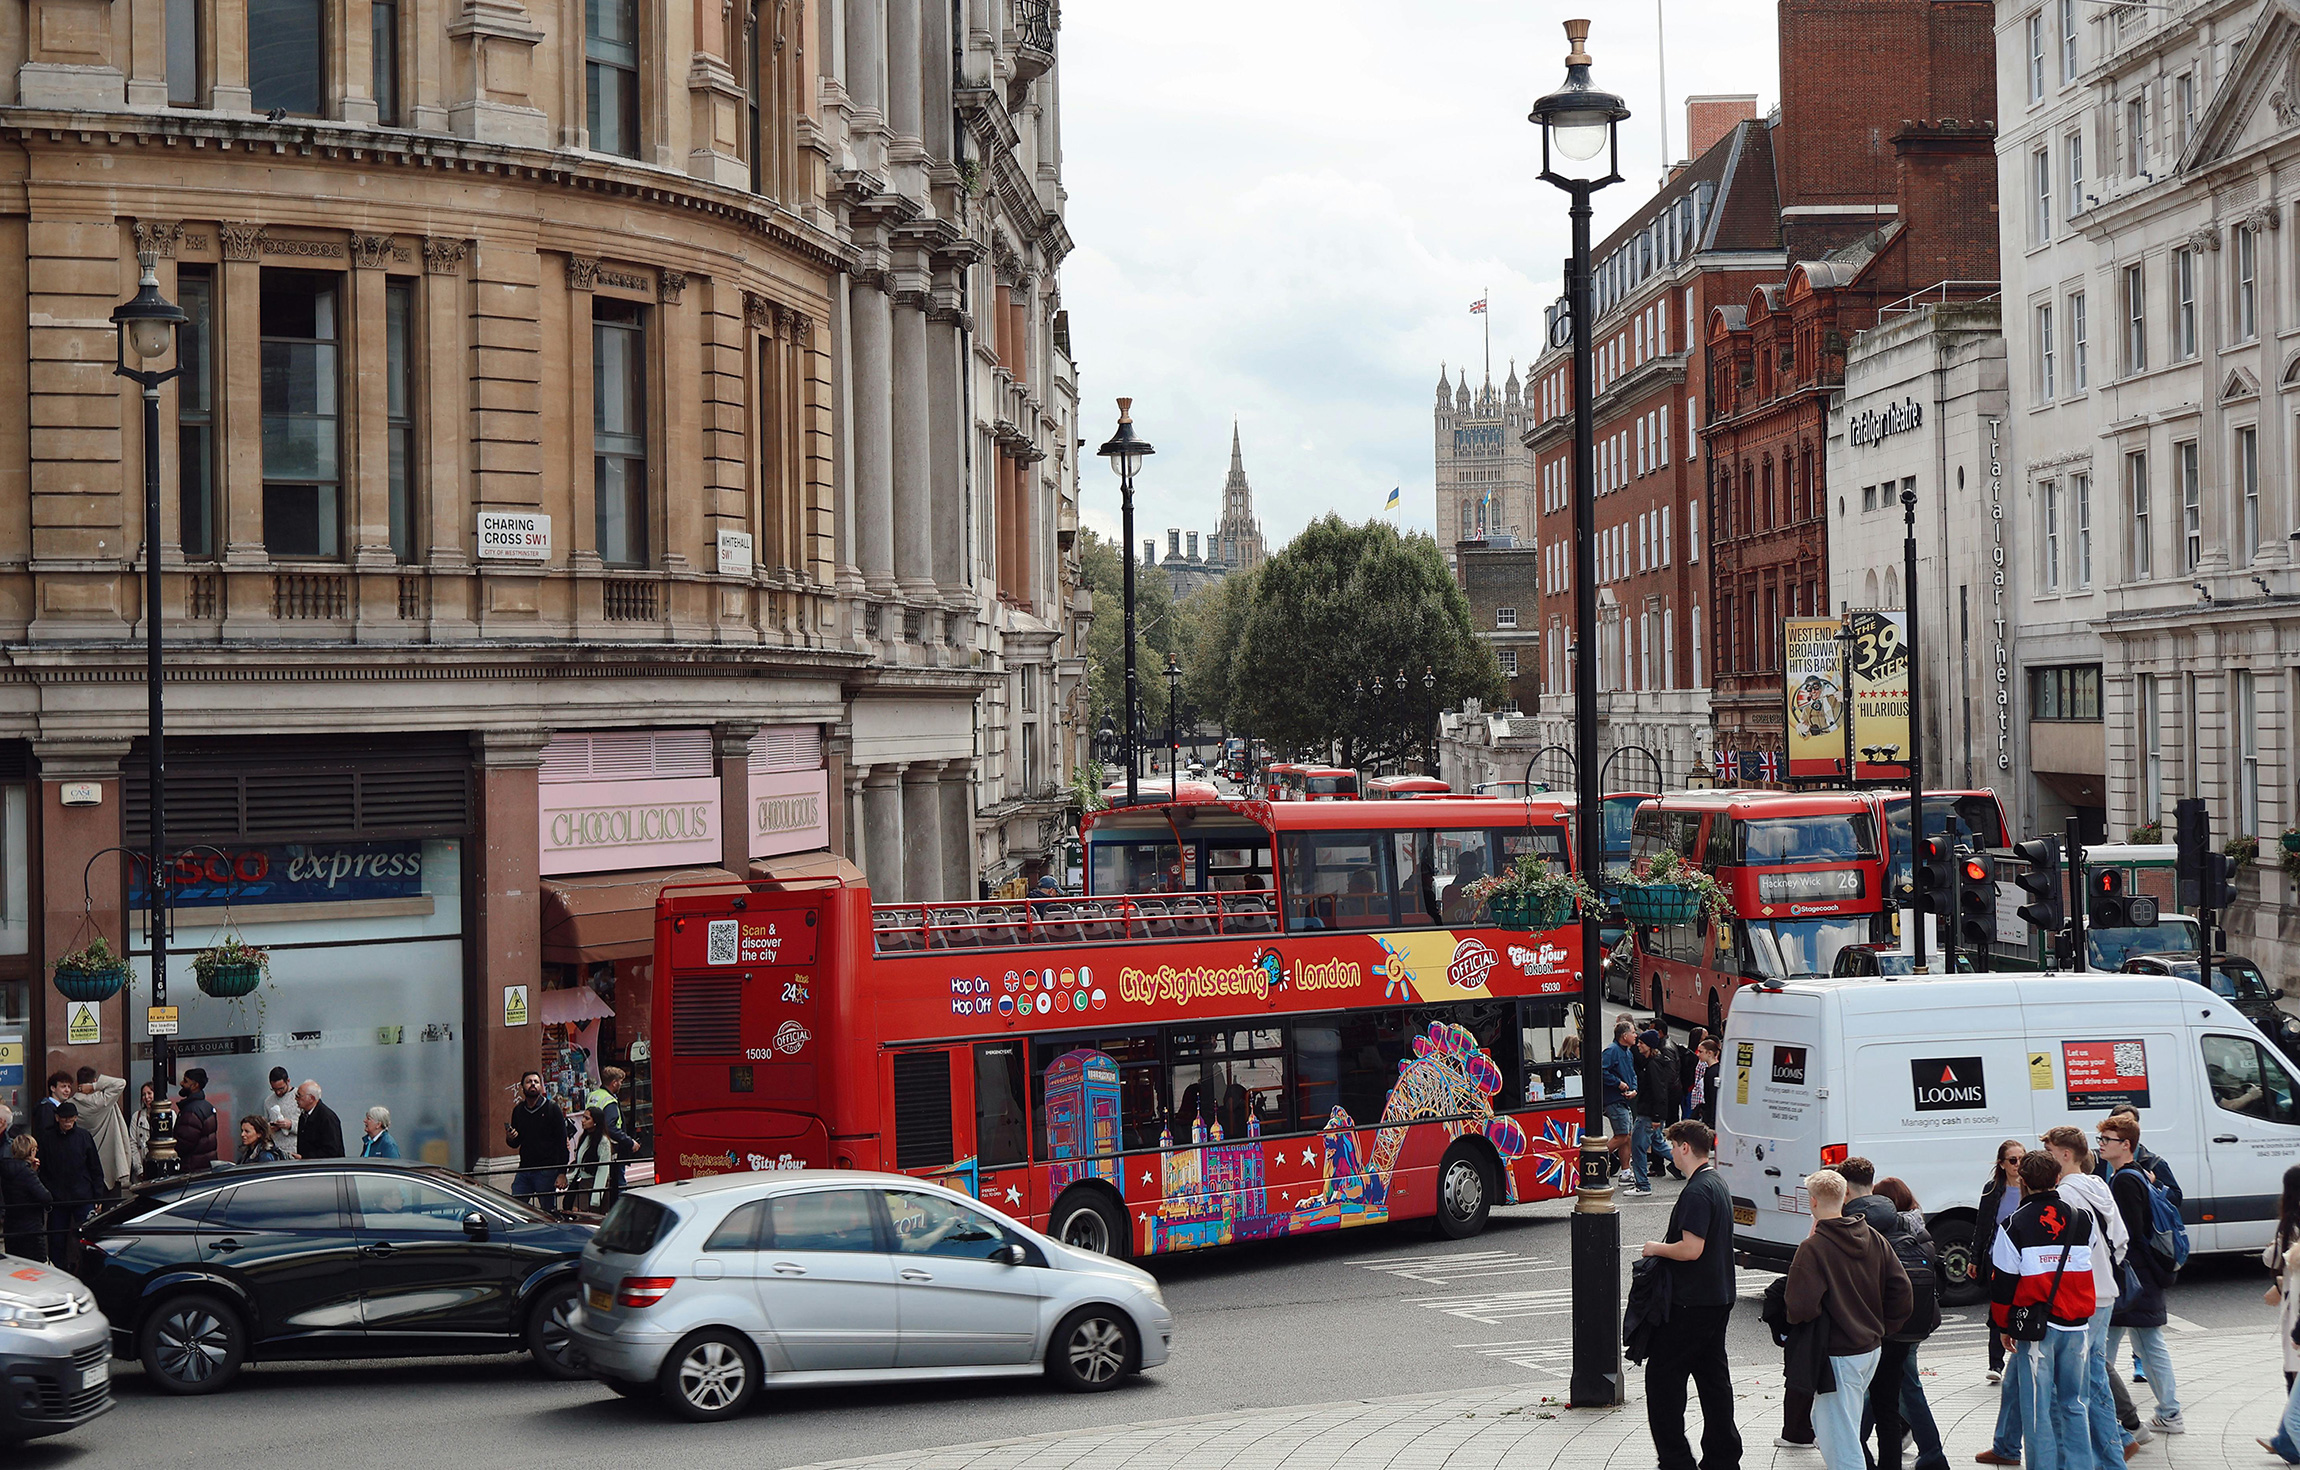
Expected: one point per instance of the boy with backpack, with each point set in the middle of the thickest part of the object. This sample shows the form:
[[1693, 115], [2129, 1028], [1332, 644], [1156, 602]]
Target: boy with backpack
[[2151, 1262]]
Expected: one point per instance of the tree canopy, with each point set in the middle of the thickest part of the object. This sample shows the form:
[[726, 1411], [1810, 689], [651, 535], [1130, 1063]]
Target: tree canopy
[[1155, 631]]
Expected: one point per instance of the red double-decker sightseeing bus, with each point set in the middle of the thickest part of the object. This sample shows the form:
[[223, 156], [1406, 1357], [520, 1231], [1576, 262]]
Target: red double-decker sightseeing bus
[[1404, 788], [1806, 875], [1261, 1020]]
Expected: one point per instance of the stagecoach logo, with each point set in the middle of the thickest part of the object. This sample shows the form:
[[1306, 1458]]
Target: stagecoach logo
[[1789, 1065], [791, 1038], [1472, 962], [1948, 1084]]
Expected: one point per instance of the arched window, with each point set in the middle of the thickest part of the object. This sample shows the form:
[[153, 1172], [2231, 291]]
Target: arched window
[[1892, 588]]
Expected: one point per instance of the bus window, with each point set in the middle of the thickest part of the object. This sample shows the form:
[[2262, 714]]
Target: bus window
[[1413, 861], [1335, 880], [1830, 838], [1724, 840], [1238, 869], [1458, 859], [1230, 1078], [1619, 813], [1140, 1103], [1134, 867], [1493, 1023], [1001, 1114], [1551, 1049], [1347, 1062], [1541, 842]]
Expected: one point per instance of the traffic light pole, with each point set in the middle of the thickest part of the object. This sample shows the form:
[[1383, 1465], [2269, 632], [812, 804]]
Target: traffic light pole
[[2078, 894], [1917, 725]]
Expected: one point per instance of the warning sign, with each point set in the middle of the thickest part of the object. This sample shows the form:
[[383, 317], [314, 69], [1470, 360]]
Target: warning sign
[[2040, 1071], [1744, 1059], [82, 1026], [2102, 1074], [514, 1005]]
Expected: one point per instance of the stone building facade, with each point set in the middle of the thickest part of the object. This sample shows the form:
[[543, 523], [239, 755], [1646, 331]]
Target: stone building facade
[[557, 497], [2152, 323], [1232, 546], [1484, 473]]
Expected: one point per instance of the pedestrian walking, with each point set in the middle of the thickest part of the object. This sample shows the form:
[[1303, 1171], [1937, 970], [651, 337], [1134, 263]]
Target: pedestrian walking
[[538, 1129], [1900, 1385], [1689, 1070], [1844, 1272], [98, 1099], [1861, 1200], [1619, 1065], [1656, 1079], [607, 1097], [24, 1221], [591, 1184], [1705, 1079], [256, 1146], [319, 1132], [2282, 1256], [281, 1114], [140, 1133], [2002, 1197], [2160, 1174], [2084, 1190], [2041, 1303], [1698, 1247], [195, 1122], [73, 1172], [379, 1143], [2142, 1312]]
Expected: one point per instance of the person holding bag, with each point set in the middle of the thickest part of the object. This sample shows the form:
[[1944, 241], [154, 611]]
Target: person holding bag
[[2041, 1303], [1846, 1273]]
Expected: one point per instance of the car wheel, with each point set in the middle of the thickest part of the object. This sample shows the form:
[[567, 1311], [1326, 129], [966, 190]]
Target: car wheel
[[551, 1332], [192, 1343], [1091, 1350], [1085, 1221], [709, 1376], [1960, 1264], [1465, 1194]]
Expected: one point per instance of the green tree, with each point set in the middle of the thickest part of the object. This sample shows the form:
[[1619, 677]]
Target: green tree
[[1339, 610], [1100, 563], [1213, 623]]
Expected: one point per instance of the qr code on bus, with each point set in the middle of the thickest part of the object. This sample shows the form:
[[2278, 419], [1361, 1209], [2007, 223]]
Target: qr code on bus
[[2131, 1059], [721, 944]]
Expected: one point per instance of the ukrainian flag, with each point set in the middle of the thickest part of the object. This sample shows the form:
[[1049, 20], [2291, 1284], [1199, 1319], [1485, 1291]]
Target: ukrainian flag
[[1392, 502]]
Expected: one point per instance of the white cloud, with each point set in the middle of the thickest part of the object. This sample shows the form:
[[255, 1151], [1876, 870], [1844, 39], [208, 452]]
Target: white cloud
[[1284, 210]]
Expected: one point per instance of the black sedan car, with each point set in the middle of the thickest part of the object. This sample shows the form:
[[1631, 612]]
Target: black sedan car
[[205, 1273]]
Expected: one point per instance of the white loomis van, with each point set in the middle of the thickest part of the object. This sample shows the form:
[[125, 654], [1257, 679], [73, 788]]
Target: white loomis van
[[1924, 1077]]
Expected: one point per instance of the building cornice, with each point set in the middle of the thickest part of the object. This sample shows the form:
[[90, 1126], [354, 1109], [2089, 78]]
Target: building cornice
[[254, 662]]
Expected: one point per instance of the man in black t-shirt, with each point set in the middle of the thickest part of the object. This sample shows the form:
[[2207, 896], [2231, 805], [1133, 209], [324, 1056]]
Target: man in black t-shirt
[[1699, 1248]]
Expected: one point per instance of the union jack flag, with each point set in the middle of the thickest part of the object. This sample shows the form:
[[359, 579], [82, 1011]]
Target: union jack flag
[[1770, 763], [1557, 1155], [1726, 765], [1477, 307]]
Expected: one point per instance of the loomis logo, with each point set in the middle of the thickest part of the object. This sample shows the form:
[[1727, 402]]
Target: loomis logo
[[1472, 961], [1948, 1084], [791, 1037]]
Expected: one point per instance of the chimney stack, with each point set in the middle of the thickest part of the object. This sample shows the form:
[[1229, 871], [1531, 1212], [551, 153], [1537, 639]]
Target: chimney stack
[[1193, 546], [1150, 551], [1710, 117], [1173, 541]]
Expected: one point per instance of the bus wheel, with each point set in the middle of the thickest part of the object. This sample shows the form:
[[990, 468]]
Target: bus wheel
[[1085, 1221], [1960, 1268], [1465, 1191]]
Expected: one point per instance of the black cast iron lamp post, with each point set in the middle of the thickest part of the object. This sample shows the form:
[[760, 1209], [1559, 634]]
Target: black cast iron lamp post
[[1126, 451], [1580, 125], [1173, 728], [147, 325]]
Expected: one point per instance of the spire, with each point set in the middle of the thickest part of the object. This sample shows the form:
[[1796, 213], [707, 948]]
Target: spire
[[1237, 459], [1445, 389]]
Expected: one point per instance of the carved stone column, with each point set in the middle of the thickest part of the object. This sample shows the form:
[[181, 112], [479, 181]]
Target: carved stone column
[[870, 409], [922, 866], [882, 859]]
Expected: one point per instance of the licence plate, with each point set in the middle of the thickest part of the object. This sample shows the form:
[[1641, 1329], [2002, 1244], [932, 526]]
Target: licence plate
[[91, 1377], [1744, 1214], [599, 1300]]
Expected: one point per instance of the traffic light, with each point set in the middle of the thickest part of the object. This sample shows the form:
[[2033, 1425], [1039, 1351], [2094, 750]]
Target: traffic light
[[1976, 907], [1935, 873], [2192, 825], [2040, 880], [2110, 907], [2219, 891]]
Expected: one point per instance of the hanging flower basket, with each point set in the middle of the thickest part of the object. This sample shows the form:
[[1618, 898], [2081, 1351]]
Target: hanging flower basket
[[91, 974], [1530, 897], [231, 969], [1660, 903], [2291, 840]]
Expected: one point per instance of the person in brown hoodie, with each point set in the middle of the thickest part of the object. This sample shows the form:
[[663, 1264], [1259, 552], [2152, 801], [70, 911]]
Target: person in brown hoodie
[[1845, 1272]]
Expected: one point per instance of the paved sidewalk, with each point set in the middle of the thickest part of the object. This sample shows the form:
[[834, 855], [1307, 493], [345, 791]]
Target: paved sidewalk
[[2231, 1388]]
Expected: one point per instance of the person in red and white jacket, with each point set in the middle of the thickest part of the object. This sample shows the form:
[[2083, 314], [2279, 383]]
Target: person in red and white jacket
[[2028, 1260]]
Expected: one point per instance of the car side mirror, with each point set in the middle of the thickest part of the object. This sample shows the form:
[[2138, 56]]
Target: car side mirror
[[2276, 993], [1011, 1255], [475, 1225]]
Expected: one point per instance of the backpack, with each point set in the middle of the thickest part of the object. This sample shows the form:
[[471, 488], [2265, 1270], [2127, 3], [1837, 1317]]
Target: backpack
[[2168, 1233], [1915, 1252]]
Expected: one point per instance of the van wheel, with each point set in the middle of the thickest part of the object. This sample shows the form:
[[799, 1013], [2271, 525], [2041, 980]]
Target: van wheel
[[1465, 1191], [1084, 1220], [1960, 1264], [192, 1343]]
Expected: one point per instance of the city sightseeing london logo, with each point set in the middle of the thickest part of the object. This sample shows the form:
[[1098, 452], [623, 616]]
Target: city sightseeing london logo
[[1472, 961]]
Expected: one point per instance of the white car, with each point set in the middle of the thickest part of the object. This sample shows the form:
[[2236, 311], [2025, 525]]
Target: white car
[[705, 1291]]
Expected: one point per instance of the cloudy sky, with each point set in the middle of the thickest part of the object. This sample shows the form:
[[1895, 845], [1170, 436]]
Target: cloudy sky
[[1283, 211]]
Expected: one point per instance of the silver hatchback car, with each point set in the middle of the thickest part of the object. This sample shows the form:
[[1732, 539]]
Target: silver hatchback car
[[704, 1291]]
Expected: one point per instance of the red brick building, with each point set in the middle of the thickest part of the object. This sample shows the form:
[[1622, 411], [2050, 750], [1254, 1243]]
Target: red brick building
[[1885, 146]]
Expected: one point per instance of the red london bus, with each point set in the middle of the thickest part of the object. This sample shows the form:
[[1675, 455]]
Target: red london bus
[[1262, 1020], [1320, 783], [1405, 788], [1275, 777], [1806, 875]]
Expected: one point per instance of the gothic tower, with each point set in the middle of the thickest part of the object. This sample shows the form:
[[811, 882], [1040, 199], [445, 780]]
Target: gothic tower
[[1484, 470], [1238, 540]]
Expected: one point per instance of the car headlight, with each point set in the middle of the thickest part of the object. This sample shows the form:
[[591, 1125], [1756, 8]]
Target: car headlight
[[16, 1312]]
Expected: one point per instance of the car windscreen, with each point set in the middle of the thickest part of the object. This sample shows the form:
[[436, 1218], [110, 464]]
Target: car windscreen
[[2108, 949], [633, 1224], [2238, 982]]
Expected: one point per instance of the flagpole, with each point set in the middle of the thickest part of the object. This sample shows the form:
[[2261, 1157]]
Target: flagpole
[[1486, 296], [1661, 61]]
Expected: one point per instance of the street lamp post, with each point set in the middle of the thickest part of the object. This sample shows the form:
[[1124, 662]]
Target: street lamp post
[[1579, 127], [1126, 453], [1173, 728], [146, 325]]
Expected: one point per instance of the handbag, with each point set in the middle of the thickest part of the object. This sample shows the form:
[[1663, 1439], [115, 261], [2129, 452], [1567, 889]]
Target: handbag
[[2029, 1321]]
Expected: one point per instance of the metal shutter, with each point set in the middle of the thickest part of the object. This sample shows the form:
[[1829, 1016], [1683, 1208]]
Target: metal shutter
[[611, 755], [787, 748], [707, 1018], [921, 1109], [306, 791]]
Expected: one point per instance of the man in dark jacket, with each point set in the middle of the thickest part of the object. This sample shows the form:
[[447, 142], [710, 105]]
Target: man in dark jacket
[[195, 1122], [44, 1111], [74, 1174], [538, 1129], [1656, 1075], [320, 1134], [1699, 1250], [1861, 1202], [2119, 1140], [1844, 1268]]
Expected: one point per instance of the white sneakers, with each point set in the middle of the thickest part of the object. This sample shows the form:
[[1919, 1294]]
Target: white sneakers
[[2174, 1425]]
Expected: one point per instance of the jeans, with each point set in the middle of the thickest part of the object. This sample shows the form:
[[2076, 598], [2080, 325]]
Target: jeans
[[2149, 1348], [2287, 1440], [1648, 1129], [1917, 1413], [1837, 1416], [2012, 1400], [2060, 1430], [2099, 1398], [533, 1184], [1692, 1347]]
